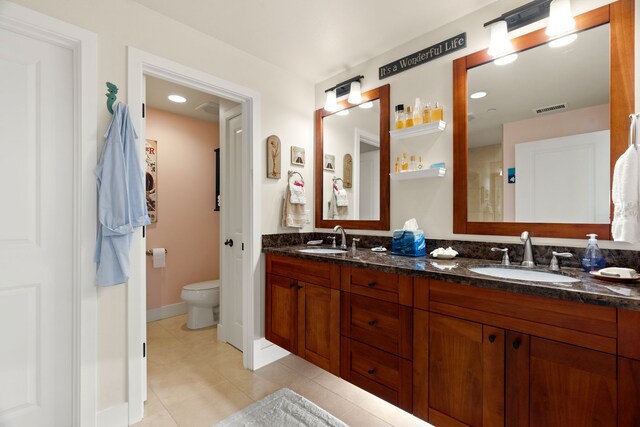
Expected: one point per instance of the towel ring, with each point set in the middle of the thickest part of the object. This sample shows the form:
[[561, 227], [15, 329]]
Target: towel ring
[[291, 173], [633, 136], [335, 178]]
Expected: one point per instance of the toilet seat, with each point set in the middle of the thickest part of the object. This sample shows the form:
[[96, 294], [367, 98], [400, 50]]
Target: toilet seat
[[202, 286]]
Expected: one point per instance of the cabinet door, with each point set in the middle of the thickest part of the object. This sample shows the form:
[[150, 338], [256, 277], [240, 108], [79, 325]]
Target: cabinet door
[[466, 373], [568, 385], [319, 326], [281, 311]]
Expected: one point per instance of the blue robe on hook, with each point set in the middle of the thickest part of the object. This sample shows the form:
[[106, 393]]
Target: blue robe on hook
[[121, 199]]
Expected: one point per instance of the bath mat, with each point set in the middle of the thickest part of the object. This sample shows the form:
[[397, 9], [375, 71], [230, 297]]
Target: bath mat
[[284, 408]]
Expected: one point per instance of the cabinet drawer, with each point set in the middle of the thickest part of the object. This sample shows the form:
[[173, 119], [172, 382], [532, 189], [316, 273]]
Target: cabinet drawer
[[381, 324], [318, 273], [385, 375], [375, 284]]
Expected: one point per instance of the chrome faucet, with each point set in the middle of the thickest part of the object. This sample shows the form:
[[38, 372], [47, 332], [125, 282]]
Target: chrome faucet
[[527, 259], [343, 236]]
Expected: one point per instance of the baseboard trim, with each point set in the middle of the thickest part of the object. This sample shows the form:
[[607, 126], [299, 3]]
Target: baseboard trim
[[166, 311], [115, 416], [266, 352]]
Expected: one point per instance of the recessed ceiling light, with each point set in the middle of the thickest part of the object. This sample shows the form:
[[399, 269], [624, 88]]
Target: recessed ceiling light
[[343, 113], [478, 95], [366, 105], [506, 59], [177, 98], [563, 41]]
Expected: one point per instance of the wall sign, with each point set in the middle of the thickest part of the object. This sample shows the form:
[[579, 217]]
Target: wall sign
[[425, 55], [151, 179]]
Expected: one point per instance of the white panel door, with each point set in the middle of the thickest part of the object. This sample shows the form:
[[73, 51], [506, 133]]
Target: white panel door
[[36, 268], [234, 184], [564, 179], [369, 186]]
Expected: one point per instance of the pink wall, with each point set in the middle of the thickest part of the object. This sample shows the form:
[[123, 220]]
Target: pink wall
[[187, 224], [584, 120]]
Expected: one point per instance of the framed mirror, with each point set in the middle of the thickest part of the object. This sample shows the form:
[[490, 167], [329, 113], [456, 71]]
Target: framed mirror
[[537, 151], [352, 164]]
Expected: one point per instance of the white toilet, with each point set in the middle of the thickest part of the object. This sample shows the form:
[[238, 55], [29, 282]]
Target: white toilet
[[203, 302]]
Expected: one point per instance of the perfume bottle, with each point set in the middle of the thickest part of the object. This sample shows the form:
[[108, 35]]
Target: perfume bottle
[[412, 163], [405, 165], [399, 116], [437, 113], [397, 168], [419, 163], [417, 112], [408, 122], [426, 113]]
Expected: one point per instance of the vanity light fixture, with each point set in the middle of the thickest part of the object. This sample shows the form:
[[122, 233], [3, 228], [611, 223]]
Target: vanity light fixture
[[478, 95], [366, 105], [561, 19], [500, 42], [351, 87], [177, 98]]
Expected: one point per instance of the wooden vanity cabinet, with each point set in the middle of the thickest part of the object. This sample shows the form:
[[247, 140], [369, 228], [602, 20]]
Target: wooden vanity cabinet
[[480, 372], [377, 331], [303, 310]]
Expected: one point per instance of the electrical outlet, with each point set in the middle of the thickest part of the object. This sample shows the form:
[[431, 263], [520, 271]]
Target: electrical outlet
[[307, 214]]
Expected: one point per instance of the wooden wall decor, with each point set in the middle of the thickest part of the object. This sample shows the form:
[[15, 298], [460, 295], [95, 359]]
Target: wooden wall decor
[[274, 156], [347, 172]]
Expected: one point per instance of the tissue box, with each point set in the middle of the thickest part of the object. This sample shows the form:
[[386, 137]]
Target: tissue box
[[408, 243]]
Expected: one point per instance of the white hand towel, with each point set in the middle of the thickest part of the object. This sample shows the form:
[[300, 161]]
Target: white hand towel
[[624, 193], [293, 215], [341, 198], [335, 210], [298, 196]]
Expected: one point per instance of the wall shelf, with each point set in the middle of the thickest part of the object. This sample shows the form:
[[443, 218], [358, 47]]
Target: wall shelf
[[418, 130], [419, 174]]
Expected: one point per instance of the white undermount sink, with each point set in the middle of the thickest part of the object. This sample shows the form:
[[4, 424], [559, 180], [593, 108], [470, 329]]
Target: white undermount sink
[[522, 274], [323, 251]]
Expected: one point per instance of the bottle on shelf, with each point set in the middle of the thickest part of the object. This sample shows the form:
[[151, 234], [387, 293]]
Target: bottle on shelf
[[412, 162], [397, 168], [417, 112], [399, 116], [426, 113], [408, 122], [405, 165], [419, 163], [437, 113]]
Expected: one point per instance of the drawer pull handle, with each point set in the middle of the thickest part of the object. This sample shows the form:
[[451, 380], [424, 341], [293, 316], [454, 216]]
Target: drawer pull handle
[[372, 284], [516, 344], [492, 338], [299, 287], [371, 371], [293, 285], [372, 323]]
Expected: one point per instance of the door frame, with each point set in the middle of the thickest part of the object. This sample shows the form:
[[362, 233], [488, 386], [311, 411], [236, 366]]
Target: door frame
[[142, 63], [83, 45]]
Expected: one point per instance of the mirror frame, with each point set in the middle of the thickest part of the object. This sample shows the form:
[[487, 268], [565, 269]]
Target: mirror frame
[[620, 16], [381, 93]]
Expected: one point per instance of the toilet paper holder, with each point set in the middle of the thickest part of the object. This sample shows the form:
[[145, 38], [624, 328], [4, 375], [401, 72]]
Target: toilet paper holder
[[150, 252]]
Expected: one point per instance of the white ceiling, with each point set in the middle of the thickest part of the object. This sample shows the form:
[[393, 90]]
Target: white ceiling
[[315, 39], [577, 74], [158, 90]]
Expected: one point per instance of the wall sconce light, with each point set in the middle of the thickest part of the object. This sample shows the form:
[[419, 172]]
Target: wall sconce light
[[560, 18], [350, 87], [561, 22]]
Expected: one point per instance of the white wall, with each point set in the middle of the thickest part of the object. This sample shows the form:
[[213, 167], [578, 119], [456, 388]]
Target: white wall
[[431, 201], [287, 111]]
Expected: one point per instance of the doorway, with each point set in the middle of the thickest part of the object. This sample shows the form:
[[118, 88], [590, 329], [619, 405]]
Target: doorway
[[142, 65]]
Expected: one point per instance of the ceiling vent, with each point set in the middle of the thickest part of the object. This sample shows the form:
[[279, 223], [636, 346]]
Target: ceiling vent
[[550, 108], [209, 108]]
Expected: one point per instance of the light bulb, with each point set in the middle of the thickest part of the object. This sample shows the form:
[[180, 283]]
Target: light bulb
[[355, 96], [560, 18], [500, 43], [330, 104]]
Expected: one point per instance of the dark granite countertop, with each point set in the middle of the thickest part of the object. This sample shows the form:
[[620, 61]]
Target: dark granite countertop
[[589, 290]]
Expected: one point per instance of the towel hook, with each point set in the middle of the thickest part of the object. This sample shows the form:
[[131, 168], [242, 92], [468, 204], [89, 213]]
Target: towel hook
[[112, 90]]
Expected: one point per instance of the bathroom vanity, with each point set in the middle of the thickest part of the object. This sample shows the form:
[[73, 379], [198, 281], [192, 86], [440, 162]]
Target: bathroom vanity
[[457, 348]]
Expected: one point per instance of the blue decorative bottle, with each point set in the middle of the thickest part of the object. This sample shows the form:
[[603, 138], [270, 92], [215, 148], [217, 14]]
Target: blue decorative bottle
[[593, 258]]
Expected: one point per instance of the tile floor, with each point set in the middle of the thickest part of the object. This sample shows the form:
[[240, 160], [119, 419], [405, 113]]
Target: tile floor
[[195, 380]]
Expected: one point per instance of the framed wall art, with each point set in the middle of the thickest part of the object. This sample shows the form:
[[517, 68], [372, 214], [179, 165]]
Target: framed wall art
[[151, 179], [297, 156], [273, 157]]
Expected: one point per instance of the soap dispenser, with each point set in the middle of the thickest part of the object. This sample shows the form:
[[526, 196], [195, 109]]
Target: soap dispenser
[[593, 258]]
